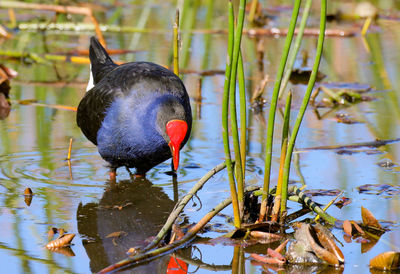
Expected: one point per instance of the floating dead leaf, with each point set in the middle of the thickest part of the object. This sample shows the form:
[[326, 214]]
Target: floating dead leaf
[[61, 232], [313, 243], [28, 196], [347, 227], [116, 234], [52, 231], [327, 240], [61, 242], [28, 191], [66, 251], [343, 202], [357, 227], [267, 260], [386, 261], [265, 237], [378, 189], [369, 219]]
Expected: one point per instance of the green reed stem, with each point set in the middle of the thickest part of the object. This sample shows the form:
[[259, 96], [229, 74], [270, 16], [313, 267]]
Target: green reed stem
[[225, 126], [274, 99], [296, 47], [243, 113], [176, 43], [305, 101], [232, 103]]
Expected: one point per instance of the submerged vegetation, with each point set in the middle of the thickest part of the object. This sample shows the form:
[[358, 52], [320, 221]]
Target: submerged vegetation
[[299, 236]]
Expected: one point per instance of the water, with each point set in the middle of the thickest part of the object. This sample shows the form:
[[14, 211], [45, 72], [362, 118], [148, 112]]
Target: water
[[34, 143]]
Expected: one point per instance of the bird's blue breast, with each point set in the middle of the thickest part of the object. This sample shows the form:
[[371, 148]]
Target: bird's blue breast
[[128, 134]]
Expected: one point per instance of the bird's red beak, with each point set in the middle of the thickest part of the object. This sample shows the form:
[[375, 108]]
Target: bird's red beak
[[176, 130]]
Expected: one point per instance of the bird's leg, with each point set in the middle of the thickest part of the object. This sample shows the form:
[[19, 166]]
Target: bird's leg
[[113, 173]]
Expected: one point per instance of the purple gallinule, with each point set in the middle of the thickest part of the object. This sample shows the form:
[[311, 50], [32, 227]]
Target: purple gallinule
[[138, 114]]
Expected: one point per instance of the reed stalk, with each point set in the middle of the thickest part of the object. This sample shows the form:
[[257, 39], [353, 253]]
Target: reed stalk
[[285, 134], [273, 104], [176, 43], [243, 114], [304, 103], [225, 125], [296, 47], [232, 103]]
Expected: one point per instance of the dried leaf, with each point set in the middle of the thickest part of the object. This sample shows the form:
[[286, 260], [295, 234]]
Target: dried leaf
[[386, 261], [28, 192], [320, 251], [326, 238], [60, 242], [369, 219], [347, 227], [266, 260], [357, 227], [265, 237], [116, 234], [51, 232], [343, 202]]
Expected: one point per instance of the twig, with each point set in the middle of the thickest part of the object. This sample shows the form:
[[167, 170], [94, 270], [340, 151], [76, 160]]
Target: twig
[[181, 204], [69, 149], [329, 204]]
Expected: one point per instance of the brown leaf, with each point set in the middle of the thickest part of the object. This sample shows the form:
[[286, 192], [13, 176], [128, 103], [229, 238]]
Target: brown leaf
[[369, 219], [116, 234], [357, 227], [386, 261], [60, 242], [347, 227], [51, 232], [327, 240], [265, 237], [320, 251], [28, 192], [266, 260]]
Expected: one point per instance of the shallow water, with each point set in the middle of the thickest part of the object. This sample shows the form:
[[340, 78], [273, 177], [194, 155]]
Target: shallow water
[[34, 142]]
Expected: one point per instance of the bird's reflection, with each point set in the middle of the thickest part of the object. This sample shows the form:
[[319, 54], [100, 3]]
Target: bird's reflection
[[129, 212], [5, 105]]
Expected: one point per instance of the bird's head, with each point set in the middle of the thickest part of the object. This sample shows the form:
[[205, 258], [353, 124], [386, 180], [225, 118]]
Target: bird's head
[[174, 126], [176, 131]]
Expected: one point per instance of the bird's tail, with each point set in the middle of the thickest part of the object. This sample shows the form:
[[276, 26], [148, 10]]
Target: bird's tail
[[100, 61]]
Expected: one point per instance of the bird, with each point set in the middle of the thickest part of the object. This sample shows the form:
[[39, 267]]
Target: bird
[[138, 114]]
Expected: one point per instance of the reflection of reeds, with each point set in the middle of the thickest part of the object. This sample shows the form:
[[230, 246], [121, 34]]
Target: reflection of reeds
[[59, 9]]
